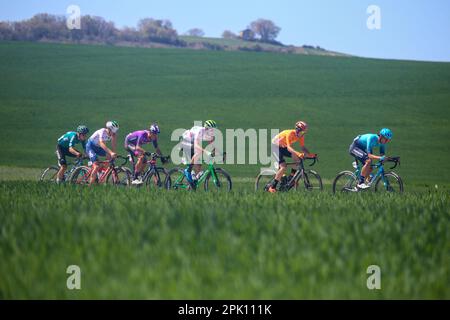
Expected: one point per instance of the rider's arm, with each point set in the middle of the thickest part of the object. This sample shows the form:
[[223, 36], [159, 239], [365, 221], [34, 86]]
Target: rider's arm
[[104, 146], [74, 152], [288, 146], [369, 149], [114, 142], [155, 145]]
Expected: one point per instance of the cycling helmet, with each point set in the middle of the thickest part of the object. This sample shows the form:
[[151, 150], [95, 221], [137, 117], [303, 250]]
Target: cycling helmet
[[82, 129], [113, 126], [301, 126], [210, 124], [154, 128], [386, 133]]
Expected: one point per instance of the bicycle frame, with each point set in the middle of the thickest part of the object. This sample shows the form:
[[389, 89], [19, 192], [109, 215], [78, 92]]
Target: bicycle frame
[[210, 169], [299, 174], [105, 168], [379, 172]]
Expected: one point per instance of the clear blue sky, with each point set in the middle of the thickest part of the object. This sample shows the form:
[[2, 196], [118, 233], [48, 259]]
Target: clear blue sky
[[410, 29]]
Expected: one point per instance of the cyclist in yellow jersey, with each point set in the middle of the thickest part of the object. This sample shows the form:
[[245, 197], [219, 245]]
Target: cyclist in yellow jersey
[[281, 147]]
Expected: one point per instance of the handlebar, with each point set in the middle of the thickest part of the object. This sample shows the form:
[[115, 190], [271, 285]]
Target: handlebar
[[315, 159], [154, 156], [396, 161]]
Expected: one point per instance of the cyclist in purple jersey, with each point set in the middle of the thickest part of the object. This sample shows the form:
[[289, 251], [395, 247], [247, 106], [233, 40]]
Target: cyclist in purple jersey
[[133, 144]]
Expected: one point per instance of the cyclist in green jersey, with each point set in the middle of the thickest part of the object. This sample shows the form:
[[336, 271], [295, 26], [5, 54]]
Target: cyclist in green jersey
[[65, 147]]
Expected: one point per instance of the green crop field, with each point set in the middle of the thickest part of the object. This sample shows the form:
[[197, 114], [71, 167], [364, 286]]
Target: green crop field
[[130, 243]]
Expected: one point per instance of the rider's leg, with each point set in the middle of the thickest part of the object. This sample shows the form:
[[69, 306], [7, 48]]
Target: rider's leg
[[139, 166], [365, 171], [280, 172], [61, 171], [93, 177]]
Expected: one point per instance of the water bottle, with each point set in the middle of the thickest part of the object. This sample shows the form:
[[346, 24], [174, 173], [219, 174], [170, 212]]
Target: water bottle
[[193, 175]]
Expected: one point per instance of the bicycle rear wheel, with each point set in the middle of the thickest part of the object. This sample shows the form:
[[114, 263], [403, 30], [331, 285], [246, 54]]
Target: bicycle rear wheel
[[49, 174], [118, 177], [176, 180], [345, 181], [392, 183], [80, 175], [262, 182], [222, 183]]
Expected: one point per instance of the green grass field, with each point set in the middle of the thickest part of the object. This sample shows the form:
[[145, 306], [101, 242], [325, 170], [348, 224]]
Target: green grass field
[[134, 244]]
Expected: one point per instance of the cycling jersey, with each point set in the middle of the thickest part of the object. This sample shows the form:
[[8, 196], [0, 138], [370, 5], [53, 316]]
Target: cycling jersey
[[369, 141], [95, 138], [196, 133], [139, 138], [69, 139], [287, 138]]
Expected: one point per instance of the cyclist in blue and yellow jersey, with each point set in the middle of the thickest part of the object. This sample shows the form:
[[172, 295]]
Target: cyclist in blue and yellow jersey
[[96, 146], [362, 149], [65, 147]]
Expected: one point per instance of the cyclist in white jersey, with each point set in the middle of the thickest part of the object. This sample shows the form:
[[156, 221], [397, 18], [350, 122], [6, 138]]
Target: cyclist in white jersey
[[96, 146], [192, 146]]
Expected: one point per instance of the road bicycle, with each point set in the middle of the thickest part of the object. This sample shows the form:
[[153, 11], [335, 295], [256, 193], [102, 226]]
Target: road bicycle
[[108, 173], [153, 177], [347, 181], [50, 173], [302, 180], [214, 179]]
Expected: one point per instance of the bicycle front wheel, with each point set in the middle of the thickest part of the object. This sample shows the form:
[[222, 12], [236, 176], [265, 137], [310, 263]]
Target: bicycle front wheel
[[49, 174], [157, 179], [346, 181], [221, 181], [391, 183], [311, 182], [80, 175], [118, 177]]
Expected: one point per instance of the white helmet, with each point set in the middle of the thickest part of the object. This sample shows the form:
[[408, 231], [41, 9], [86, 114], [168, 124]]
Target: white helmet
[[113, 126]]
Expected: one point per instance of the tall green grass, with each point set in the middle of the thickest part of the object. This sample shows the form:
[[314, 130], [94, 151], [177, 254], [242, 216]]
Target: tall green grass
[[242, 245]]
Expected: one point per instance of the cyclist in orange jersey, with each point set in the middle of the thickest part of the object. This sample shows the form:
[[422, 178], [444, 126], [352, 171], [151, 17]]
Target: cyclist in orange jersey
[[281, 148]]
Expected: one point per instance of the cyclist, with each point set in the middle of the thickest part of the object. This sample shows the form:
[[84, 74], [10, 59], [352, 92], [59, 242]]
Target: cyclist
[[191, 144], [65, 147], [96, 146], [362, 149], [281, 148], [133, 144]]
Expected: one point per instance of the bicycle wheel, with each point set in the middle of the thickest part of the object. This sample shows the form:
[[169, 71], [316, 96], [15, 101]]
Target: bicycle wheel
[[392, 183], [157, 179], [345, 181], [118, 177], [80, 175], [262, 182], [49, 174], [176, 180], [222, 183], [311, 182]]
